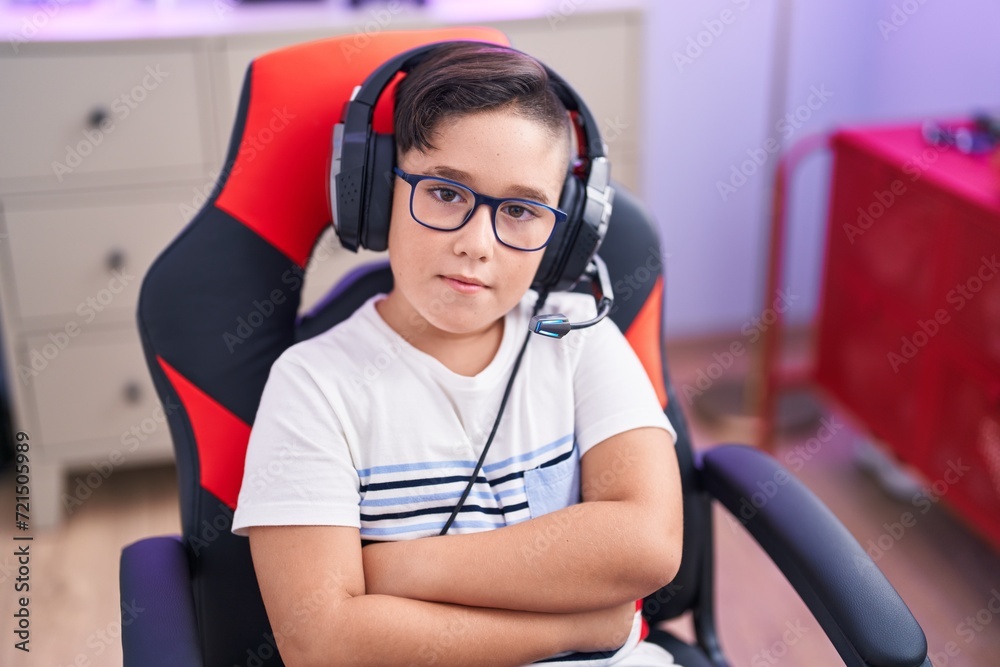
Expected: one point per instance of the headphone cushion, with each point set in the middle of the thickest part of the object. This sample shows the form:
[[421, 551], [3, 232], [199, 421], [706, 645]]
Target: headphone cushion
[[374, 231], [570, 197], [552, 268]]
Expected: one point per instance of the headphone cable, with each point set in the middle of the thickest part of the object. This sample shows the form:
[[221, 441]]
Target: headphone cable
[[542, 296]]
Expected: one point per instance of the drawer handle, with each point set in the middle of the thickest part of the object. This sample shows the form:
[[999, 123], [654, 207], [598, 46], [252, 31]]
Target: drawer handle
[[97, 116], [133, 392], [115, 260]]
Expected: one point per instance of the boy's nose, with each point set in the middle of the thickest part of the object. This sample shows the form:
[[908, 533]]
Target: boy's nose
[[476, 237]]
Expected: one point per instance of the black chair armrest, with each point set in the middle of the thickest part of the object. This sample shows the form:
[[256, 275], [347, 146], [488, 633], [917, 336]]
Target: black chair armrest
[[158, 617], [857, 607]]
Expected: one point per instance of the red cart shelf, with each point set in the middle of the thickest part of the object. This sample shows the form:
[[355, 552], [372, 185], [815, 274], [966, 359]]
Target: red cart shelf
[[908, 333]]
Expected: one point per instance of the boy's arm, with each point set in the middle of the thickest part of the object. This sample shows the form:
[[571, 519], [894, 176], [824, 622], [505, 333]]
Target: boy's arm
[[313, 588], [621, 543]]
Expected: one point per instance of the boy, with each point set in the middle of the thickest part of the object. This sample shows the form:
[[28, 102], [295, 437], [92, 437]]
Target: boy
[[576, 513]]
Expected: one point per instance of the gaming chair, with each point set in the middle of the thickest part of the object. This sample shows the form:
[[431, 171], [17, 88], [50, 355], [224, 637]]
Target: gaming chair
[[249, 245]]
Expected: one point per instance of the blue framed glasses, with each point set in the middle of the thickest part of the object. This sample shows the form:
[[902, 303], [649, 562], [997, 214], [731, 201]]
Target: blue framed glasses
[[446, 205]]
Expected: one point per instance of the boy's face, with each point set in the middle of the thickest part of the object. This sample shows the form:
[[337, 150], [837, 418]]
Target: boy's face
[[495, 153]]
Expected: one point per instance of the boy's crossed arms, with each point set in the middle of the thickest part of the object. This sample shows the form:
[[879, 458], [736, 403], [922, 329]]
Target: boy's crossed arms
[[564, 581], [621, 543]]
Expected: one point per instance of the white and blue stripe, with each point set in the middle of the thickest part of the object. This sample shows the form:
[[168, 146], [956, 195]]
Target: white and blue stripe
[[411, 500]]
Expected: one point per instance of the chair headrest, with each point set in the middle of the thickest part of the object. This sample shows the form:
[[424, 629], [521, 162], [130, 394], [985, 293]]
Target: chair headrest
[[219, 304], [280, 147]]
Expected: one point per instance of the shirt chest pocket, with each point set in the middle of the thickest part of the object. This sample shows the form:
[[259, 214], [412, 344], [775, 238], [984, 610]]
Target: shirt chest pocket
[[552, 487]]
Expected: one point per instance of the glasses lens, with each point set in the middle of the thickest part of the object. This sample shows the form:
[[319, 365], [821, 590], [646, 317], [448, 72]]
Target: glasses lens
[[441, 204], [524, 224]]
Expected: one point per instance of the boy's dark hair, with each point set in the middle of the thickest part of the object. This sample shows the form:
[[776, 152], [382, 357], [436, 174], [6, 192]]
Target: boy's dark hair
[[459, 79]]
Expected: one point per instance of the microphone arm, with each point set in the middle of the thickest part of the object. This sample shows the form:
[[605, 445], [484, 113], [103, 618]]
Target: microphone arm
[[557, 325]]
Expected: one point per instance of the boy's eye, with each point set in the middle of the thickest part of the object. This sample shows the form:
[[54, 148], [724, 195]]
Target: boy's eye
[[447, 195], [519, 212]]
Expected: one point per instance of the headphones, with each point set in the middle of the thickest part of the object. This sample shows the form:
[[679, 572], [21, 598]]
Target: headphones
[[361, 183]]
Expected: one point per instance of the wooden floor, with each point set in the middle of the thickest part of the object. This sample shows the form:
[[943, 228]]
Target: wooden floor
[[941, 569]]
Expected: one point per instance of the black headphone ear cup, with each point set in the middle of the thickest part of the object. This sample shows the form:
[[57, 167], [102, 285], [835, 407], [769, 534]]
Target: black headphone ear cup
[[347, 194], [571, 196], [550, 271], [374, 232]]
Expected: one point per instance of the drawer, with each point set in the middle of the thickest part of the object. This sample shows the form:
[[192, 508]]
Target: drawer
[[963, 460], [85, 263], [93, 387], [863, 362], [83, 457], [102, 114]]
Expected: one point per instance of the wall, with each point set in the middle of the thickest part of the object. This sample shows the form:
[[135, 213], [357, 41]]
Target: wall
[[709, 111]]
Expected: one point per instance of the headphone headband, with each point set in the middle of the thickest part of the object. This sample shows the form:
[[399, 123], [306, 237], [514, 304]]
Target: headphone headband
[[374, 85]]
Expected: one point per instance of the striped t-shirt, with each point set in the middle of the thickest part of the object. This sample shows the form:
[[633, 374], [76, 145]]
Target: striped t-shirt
[[356, 427]]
